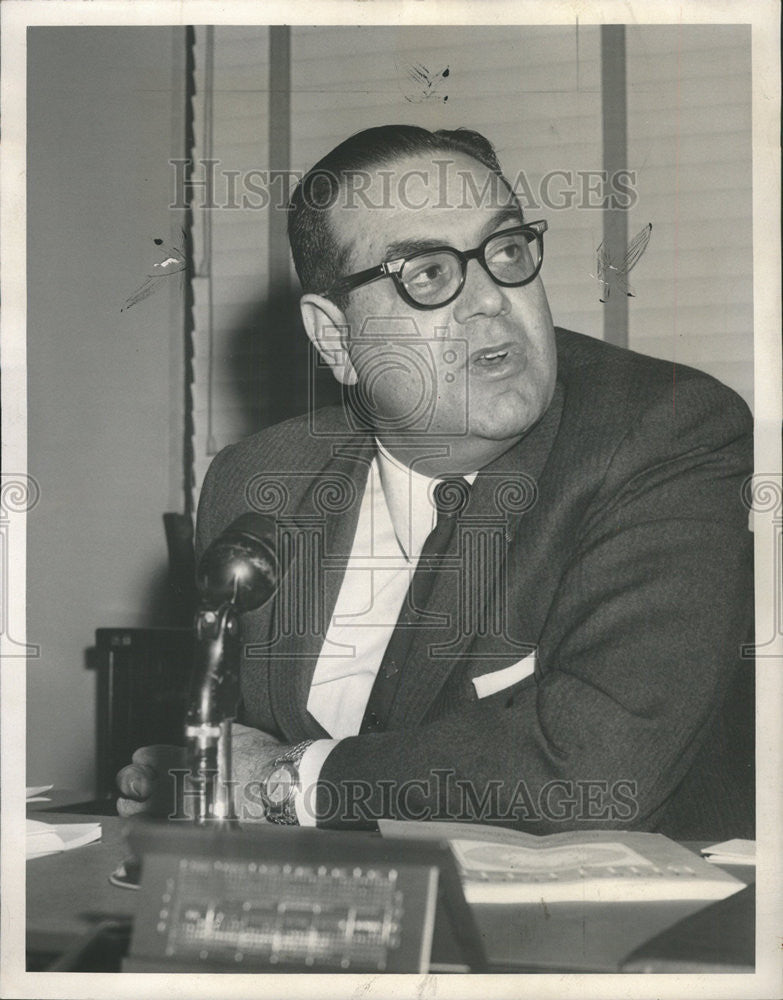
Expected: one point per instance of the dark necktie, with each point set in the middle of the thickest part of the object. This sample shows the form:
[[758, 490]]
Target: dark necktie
[[450, 497]]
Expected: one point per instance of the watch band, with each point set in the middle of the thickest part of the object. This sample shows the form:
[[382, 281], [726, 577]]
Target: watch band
[[284, 813]]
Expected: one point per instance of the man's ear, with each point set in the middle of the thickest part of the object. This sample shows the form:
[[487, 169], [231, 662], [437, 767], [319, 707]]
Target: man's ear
[[328, 330]]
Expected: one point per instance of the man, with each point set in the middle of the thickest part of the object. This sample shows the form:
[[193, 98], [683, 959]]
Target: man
[[567, 653]]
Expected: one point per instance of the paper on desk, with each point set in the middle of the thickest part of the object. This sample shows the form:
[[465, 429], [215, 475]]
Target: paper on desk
[[499, 865], [731, 852], [52, 838], [36, 794]]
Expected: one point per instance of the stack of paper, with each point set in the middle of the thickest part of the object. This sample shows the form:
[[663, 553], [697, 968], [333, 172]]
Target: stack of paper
[[731, 852], [603, 866], [52, 838], [37, 794]]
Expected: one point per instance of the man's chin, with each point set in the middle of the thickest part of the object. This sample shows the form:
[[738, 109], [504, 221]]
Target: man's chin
[[509, 420], [499, 435]]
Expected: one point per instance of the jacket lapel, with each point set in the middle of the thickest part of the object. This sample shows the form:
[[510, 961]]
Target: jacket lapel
[[462, 597], [472, 588], [321, 533]]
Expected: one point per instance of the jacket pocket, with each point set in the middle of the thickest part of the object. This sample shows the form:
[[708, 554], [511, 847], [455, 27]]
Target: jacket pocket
[[498, 680]]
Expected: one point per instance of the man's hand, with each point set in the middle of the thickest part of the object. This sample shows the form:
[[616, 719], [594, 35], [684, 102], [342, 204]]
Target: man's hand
[[252, 754], [146, 785]]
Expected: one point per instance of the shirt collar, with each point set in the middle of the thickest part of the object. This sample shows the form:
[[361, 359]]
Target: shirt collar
[[407, 495]]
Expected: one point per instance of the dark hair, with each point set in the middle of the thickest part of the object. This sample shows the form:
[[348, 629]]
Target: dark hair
[[318, 259]]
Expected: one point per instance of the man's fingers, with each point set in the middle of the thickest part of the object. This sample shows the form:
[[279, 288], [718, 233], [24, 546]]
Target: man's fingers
[[146, 779], [127, 807], [137, 781]]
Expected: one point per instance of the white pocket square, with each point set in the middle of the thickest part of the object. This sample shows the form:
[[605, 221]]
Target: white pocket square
[[497, 680]]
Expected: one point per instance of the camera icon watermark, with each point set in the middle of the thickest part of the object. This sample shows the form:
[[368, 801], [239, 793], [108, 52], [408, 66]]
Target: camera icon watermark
[[409, 385]]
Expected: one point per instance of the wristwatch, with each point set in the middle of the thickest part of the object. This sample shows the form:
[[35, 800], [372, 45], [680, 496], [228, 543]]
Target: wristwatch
[[281, 785]]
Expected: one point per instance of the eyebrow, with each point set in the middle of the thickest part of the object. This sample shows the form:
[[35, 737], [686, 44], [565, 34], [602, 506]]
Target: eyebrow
[[405, 248]]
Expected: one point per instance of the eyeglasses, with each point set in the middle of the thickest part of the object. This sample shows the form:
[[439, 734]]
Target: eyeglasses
[[433, 278]]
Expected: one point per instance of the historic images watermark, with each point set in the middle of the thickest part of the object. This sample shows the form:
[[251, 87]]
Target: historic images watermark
[[212, 185], [476, 571], [441, 796], [430, 370]]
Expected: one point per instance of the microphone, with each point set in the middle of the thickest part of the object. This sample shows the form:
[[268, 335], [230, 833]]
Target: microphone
[[241, 565], [238, 572]]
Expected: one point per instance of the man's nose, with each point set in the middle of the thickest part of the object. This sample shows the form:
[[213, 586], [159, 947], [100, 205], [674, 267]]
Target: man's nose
[[480, 296]]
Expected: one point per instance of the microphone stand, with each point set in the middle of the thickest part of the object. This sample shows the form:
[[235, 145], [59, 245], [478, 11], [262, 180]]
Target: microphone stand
[[239, 572], [214, 697]]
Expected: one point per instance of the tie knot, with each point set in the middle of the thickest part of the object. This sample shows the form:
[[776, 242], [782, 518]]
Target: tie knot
[[450, 496]]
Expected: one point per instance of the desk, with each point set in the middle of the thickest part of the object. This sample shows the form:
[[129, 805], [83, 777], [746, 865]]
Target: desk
[[69, 894]]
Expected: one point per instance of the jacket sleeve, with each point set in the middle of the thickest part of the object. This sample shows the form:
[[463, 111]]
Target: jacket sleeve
[[636, 655]]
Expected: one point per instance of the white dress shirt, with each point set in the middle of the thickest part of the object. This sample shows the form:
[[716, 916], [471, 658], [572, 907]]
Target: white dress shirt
[[396, 516]]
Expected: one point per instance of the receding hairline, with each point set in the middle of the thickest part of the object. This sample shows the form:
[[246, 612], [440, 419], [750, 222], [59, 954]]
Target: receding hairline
[[346, 252]]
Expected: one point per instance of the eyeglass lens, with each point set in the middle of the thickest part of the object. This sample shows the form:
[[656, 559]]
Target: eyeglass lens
[[432, 278]]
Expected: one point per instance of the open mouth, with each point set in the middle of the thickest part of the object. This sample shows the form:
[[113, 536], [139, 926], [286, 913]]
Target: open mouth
[[491, 357]]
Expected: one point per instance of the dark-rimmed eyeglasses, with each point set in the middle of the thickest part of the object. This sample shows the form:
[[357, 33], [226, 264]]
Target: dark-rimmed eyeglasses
[[432, 278]]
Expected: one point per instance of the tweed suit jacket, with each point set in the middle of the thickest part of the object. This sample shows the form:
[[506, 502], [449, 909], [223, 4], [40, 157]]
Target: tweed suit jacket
[[608, 551]]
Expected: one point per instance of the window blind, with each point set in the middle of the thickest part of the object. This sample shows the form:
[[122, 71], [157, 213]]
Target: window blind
[[690, 143], [535, 92]]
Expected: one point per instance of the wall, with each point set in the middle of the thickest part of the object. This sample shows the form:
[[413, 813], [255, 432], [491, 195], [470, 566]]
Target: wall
[[105, 398], [690, 146], [534, 91], [106, 110], [562, 104]]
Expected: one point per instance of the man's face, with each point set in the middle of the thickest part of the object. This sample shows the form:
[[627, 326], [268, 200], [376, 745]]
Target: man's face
[[479, 371]]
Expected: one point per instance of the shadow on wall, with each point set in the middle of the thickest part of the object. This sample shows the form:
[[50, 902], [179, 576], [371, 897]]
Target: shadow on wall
[[273, 374], [275, 371]]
